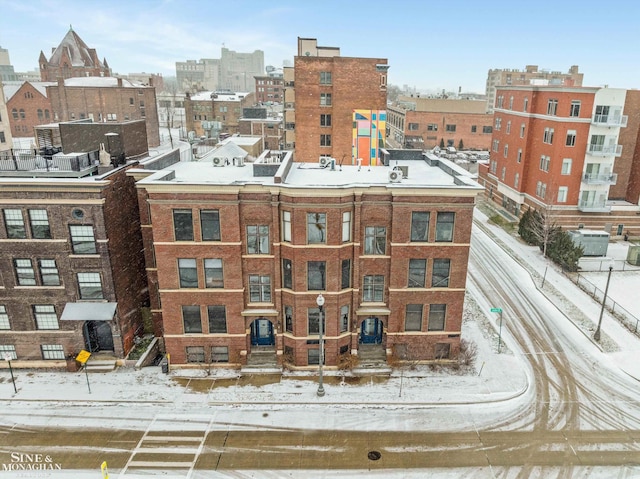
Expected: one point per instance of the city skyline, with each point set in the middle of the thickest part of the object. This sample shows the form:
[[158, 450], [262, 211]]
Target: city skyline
[[429, 45]]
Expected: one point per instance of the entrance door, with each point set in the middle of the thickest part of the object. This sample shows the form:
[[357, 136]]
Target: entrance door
[[371, 331], [98, 336], [262, 332]]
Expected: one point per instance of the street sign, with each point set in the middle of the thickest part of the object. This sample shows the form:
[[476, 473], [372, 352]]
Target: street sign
[[496, 310], [83, 356]]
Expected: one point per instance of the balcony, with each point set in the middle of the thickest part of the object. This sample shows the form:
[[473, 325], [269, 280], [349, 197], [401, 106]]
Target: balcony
[[610, 120], [602, 150], [595, 179], [594, 206]]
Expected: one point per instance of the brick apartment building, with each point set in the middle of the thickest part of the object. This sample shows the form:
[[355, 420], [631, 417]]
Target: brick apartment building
[[73, 275], [558, 148], [28, 106], [72, 58], [106, 100], [269, 89], [210, 113], [322, 92], [254, 122], [424, 123], [531, 75], [238, 254]]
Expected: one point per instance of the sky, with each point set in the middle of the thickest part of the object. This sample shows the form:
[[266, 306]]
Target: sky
[[430, 45]]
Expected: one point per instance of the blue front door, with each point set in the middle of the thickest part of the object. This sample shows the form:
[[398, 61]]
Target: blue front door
[[262, 332], [371, 331]]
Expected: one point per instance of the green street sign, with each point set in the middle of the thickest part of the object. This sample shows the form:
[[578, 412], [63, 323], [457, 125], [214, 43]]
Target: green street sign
[[496, 310]]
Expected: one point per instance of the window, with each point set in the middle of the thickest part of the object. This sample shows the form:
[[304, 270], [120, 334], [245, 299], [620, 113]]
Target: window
[[562, 194], [325, 120], [498, 123], [541, 189], [441, 271], [548, 136], [45, 315], [344, 318], [432, 127], [90, 285], [417, 273], [52, 351], [316, 228], [325, 99], [217, 319], [313, 321], [209, 223], [575, 108], [487, 129], [506, 150], [259, 288], [14, 223], [450, 128], [4, 318], [8, 349], [213, 276], [508, 130], [499, 101], [183, 225], [552, 106], [49, 272], [437, 313], [325, 78], [219, 354], [519, 157], [14, 112], [2, 137], [25, 275], [420, 226], [346, 226], [413, 318], [442, 350], [413, 126], [287, 273], [82, 240], [258, 239], [545, 161], [191, 319], [373, 288], [22, 114], [510, 103], [571, 138], [346, 274], [375, 239], [286, 226], [188, 273], [503, 173], [288, 319], [602, 114], [166, 103], [39, 224], [522, 127], [444, 226], [474, 128], [496, 144], [596, 143], [526, 104], [566, 166], [325, 140], [40, 114], [316, 275], [195, 354], [516, 180]]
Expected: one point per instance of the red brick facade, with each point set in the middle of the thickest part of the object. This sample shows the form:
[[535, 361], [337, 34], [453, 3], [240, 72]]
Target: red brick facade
[[27, 108]]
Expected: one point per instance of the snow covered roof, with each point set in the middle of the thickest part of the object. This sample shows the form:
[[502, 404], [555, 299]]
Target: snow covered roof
[[218, 96], [10, 88], [103, 82], [77, 50]]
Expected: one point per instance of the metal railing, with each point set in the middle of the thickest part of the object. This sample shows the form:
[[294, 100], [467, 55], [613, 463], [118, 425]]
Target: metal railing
[[32, 160]]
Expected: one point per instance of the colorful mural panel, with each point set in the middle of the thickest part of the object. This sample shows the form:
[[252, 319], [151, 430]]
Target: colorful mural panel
[[369, 127]]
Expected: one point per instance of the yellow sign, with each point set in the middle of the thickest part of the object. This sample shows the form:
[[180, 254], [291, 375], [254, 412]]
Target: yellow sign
[[83, 356], [103, 468]]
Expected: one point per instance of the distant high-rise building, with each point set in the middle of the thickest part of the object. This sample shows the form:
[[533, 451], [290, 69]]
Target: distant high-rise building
[[531, 75], [72, 58], [6, 69]]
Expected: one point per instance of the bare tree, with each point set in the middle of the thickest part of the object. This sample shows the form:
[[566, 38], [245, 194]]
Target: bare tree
[[544, 227]]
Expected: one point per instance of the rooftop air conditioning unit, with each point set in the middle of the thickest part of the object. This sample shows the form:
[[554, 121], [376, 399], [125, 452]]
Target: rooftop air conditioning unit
[[217, 161], [403, 169], [238, 161], [395, 176], [324, 161]]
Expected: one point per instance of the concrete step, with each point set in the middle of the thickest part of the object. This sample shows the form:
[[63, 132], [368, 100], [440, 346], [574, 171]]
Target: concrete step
[[100, 366]]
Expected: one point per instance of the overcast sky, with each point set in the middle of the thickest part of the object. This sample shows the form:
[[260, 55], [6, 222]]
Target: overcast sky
[[429, 44]]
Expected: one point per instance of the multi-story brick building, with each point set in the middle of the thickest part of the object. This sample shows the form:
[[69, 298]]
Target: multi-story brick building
[[269, 89], [325, 95], [28, 106], [255, 121], [72, 58], [72, 269], [237, 254], [557, 148], [531, 75], [105, 100], [210, 113], [416, 122]]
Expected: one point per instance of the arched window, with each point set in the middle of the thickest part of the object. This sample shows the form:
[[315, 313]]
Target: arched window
[[40, 114], [22, 114], [14, 112], [46, 114]]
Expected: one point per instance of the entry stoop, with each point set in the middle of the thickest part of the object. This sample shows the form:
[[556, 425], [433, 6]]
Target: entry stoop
[[100, 365], [372, 360], [261, 361]]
